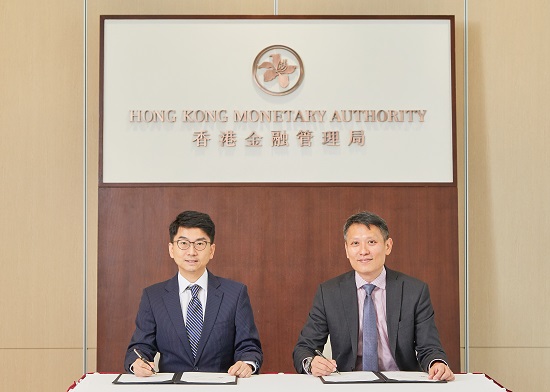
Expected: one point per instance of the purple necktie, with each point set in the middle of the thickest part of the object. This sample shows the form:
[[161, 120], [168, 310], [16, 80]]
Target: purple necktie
[[370, 332]]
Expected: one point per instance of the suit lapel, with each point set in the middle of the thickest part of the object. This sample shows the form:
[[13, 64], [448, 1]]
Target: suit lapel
[[394, 293], [348, 293], [173, 306], [213, 302]]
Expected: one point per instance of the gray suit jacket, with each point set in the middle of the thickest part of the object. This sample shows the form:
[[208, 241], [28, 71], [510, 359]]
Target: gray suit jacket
[[229, 333], [413, 337]]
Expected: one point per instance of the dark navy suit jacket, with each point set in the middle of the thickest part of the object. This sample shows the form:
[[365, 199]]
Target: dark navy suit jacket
[[229, 333], [414, 340]]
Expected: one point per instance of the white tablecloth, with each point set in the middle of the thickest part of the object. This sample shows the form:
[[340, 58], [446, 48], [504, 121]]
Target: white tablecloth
[[289, 383]]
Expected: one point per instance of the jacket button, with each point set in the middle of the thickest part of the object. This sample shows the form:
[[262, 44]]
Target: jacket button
[[195, 368]]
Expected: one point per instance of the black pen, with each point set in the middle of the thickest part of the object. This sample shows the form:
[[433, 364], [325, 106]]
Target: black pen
[[319, 353], [144, 360]]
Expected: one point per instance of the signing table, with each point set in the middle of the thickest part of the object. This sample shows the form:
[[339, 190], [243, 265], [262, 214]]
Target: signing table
[[96, 382]]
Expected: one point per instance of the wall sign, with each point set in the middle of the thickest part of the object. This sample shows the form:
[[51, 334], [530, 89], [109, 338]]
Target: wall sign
[[277, 100]]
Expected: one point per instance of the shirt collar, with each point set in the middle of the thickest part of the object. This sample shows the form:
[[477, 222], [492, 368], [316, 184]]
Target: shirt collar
[[379, 281], [184, 283]]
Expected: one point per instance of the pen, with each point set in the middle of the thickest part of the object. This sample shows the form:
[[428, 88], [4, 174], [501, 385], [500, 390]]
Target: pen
[[144, 360], [319, 353]]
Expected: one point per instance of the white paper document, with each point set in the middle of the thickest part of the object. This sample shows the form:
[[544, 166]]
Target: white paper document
[[207, 378], [351, 377], [155, 378], [408, 376]]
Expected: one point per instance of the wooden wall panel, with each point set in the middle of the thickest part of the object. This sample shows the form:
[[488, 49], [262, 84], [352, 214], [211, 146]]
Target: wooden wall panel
[[282, 241]]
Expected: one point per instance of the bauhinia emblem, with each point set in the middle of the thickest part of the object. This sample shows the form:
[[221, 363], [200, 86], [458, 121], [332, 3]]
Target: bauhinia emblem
[[278, 70]]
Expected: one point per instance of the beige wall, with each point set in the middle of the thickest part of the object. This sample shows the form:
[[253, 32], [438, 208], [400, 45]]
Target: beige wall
[[509, 191], [42, 177]]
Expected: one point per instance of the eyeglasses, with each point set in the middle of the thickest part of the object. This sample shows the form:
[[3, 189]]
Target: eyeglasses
[[198, 245]]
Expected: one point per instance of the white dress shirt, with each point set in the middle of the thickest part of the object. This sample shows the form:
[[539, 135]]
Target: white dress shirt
[[185, 295]]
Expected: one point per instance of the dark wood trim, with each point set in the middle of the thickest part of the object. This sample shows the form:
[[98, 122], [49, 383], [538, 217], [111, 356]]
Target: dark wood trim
[[274, 184], [279, 17], [101, 95]]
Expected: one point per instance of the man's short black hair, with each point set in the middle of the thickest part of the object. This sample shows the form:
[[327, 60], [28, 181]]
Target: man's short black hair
[[368, 218], [191, 220]]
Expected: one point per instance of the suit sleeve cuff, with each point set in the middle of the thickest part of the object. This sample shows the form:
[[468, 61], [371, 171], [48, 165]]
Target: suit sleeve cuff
[[254, 366], [434, 361], [306, 364]]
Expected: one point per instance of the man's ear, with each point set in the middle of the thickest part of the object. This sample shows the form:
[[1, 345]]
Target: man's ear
[[389, 246], [212, 250], [171, 249]]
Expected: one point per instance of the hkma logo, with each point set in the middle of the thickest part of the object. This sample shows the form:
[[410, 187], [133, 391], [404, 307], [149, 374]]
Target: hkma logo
[[278, 70]]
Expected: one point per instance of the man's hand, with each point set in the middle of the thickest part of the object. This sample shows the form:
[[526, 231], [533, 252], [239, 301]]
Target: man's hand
[[141, 369], [240, 369], [440, 371], [322, 367]]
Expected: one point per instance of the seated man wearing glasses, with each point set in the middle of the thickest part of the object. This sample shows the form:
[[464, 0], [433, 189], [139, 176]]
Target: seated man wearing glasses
[[196, 321]]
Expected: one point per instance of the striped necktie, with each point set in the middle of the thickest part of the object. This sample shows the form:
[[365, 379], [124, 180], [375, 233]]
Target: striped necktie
[[370, 332], [194, 319]]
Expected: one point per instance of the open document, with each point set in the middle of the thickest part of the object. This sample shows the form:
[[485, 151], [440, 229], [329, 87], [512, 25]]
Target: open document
[[206, 378], [158, 378], [408, 377], [377, 377], [352, 377], [178, 378]]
